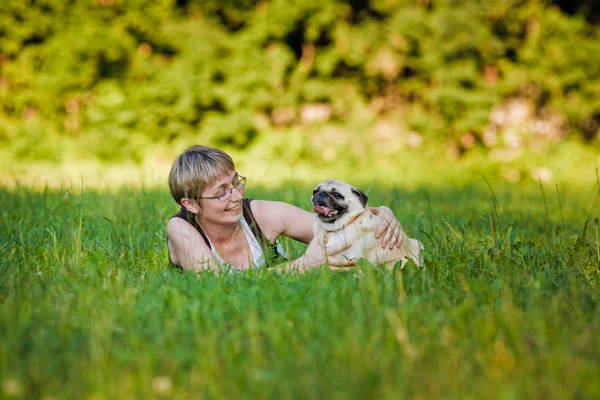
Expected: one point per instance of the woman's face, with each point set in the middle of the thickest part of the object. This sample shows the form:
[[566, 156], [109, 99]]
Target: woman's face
[[227, 211]]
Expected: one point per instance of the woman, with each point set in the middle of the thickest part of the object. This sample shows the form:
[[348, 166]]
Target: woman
[[217, 227]]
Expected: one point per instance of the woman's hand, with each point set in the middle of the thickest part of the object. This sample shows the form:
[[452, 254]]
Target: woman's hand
[[390, 226], [318, 254]]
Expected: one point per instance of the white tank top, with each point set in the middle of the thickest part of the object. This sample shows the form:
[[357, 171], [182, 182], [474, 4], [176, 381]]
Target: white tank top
[[258, 256]]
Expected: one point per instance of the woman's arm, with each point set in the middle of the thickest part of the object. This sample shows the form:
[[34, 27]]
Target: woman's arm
[[278, 218], [318, 254], [187, 247]]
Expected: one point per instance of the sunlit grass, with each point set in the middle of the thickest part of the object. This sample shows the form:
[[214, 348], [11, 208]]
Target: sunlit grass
[[568, 163], [506, 307]]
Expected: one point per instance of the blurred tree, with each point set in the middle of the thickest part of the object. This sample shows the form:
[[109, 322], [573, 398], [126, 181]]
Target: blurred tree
[[127, 74], [589, 8]]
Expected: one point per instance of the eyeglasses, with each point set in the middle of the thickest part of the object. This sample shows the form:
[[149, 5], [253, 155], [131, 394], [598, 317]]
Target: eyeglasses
[[239, 182]]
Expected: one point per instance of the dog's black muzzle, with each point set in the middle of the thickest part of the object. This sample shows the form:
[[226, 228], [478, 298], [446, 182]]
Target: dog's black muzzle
[[322, 199]]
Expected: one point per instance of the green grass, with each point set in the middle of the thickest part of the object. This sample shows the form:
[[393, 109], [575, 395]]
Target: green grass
[[508, 305]]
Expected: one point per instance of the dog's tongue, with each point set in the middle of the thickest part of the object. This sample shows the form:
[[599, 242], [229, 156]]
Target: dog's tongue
[[323, 211]]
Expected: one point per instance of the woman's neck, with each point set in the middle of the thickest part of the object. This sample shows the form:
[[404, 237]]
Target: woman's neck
[[219, 234], [229, 242]]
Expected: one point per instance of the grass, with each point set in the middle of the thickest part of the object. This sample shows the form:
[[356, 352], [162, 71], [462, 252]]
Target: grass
[[507, 307]]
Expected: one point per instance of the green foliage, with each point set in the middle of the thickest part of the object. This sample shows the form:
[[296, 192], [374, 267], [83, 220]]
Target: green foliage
[[136, 73], [507, 303]]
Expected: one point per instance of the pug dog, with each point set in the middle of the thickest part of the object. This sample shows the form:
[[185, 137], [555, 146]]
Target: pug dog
[[342, 217]]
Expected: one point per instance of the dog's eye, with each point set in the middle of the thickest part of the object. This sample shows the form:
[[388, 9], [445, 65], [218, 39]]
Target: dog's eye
[[337, 196]]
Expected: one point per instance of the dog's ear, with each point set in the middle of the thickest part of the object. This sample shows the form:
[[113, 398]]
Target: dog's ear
[[361, 196]]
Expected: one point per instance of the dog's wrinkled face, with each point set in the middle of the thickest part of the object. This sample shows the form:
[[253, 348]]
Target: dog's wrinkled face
[[337, 201]]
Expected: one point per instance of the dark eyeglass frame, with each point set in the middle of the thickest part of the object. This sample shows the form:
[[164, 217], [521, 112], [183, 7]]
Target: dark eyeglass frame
[[227, 193]]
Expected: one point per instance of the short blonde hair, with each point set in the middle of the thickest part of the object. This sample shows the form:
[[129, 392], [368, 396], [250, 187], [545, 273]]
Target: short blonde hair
[[195, 169]]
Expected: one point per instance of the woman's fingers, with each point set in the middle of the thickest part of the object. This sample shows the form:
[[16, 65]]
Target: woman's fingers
[[337, 248], [340, 269], [399, 234], [389, 230], [342, 264], [388, 238], [384, 223], [381, 229], [390, 234], [395, 235]]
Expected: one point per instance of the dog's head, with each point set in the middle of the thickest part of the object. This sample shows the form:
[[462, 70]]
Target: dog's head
[[336, 203]]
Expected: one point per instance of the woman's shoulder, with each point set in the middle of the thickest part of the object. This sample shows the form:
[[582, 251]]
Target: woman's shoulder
[[265, 213], [180, 227], [257, 205], [268, 209], [185, 243]]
